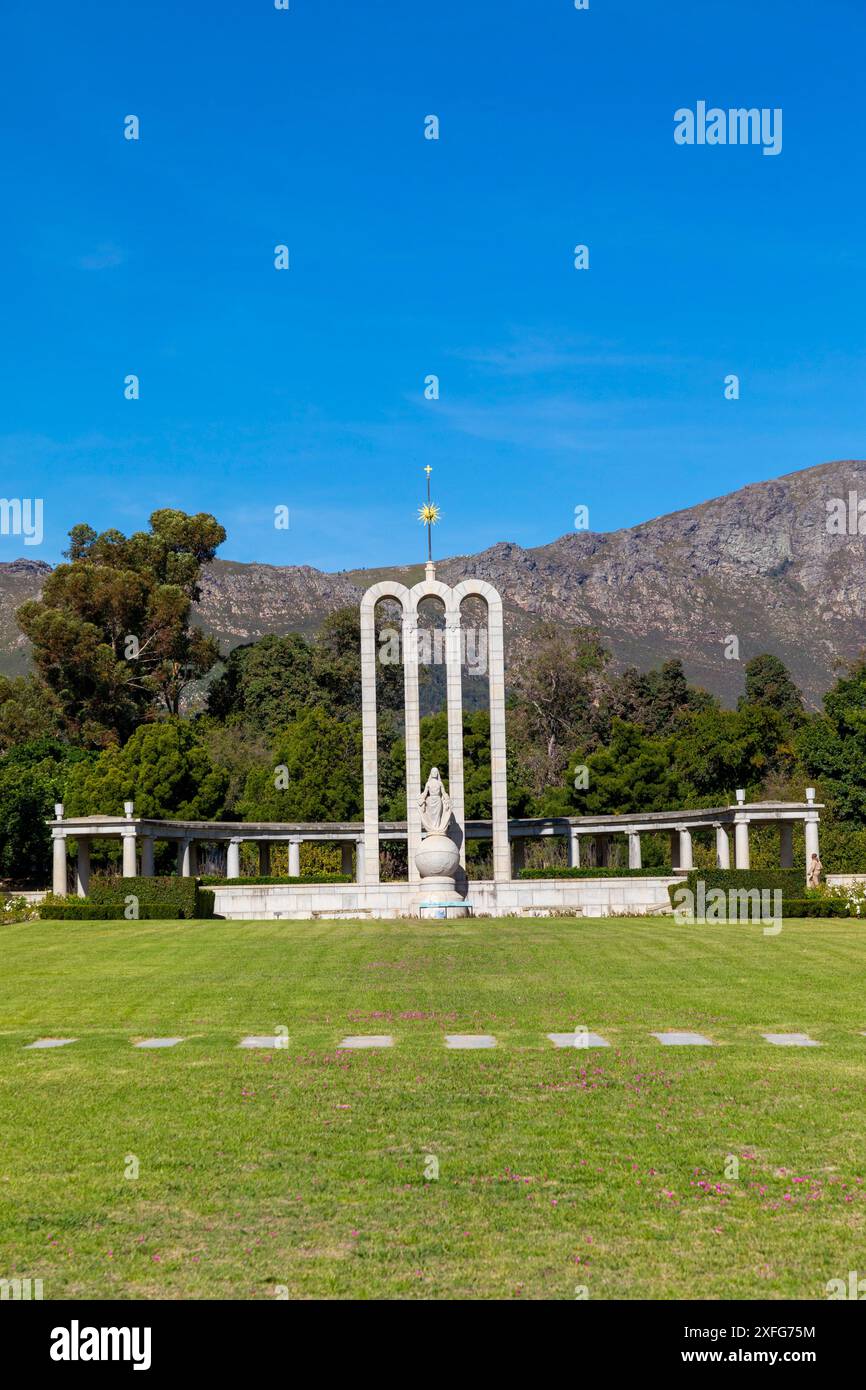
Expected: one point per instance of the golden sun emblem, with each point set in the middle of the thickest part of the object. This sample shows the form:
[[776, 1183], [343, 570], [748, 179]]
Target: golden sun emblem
[[429, 514]]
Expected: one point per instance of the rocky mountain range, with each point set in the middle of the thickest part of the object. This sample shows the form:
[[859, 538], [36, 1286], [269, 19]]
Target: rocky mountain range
[[779, 566]]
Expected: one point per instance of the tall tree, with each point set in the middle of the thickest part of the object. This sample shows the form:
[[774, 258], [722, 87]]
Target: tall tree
[[558, 691], [337, 664], [313, 772], [655, 700], [28, 710], [266, 683], [632, 773], [270, 682], [716, 751], [164, 768], [111, 633], [832, 746], [33, 776], [768, 683]]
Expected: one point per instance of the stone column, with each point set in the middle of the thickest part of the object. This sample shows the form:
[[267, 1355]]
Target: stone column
[[186, 858], [498, 762], [147, 856], [811, 828], [723, 848], [454, 707], [82, 867], [359, 862], [786, 844], [675, 849], [634, 860], [412, 731], [518, 856], [58, 874], [130, 864], [368, 736], [233, 858], [686, 849], [346, 864], [573, 849], [741, 841], [264, 858], [295, 857]]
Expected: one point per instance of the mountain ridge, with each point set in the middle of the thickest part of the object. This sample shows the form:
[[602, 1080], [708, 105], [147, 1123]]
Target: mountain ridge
[[758, 564]]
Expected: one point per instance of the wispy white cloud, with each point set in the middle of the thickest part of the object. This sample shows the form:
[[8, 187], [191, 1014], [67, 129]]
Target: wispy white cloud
[[529, 353]]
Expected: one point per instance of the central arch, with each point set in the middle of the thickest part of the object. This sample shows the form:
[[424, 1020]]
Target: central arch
[[451, 598]]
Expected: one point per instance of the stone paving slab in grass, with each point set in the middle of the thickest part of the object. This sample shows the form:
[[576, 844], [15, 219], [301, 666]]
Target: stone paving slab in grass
[[369, 1040], [674, 1039], [469, 1041], [51, 1042], [159, 1042], [264, 1041], [791, 1040], [578, 1039]]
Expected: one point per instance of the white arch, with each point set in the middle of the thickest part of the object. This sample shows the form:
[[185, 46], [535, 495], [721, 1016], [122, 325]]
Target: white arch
[[386, 588], [409, 600], [434, 588], [496, 685]]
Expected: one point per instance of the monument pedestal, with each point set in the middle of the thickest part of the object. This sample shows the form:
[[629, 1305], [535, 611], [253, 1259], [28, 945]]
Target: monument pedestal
[[438, 897], [438, 862]]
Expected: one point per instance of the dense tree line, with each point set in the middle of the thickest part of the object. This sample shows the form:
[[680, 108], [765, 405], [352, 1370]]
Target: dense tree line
[[128, 699]]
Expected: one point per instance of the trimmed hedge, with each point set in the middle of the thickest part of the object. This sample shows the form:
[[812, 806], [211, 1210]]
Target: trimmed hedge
[[791, 881], [817, 907], [254, 880], [595, 873], [180, 894], [162, 899], [84, 911]]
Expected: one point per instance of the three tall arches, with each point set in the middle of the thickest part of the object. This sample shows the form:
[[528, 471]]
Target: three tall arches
[[451, 598]]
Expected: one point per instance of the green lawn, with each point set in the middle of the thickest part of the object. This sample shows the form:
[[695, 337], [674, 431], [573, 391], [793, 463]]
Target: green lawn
[[304, 1168]]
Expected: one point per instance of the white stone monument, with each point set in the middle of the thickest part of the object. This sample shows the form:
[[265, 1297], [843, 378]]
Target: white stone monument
[[429, 807]]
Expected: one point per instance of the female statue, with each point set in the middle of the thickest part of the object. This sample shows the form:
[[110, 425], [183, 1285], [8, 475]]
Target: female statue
[[435, 804]]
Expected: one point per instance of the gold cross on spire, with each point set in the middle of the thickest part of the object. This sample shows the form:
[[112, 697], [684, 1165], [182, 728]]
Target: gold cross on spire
[[428, 515]]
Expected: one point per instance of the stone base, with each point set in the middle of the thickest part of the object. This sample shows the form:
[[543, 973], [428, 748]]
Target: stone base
[[584, 897], [438, 897]]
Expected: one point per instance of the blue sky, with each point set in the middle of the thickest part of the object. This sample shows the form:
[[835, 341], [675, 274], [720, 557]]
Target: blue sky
[[409, 257]]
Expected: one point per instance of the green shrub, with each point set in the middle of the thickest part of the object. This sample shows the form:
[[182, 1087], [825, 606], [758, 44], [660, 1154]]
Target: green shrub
[[159, 898], [168, 891], [16, 908], [263, 879], [81, 910], [791, 881], [594, 873], [818, 907]]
